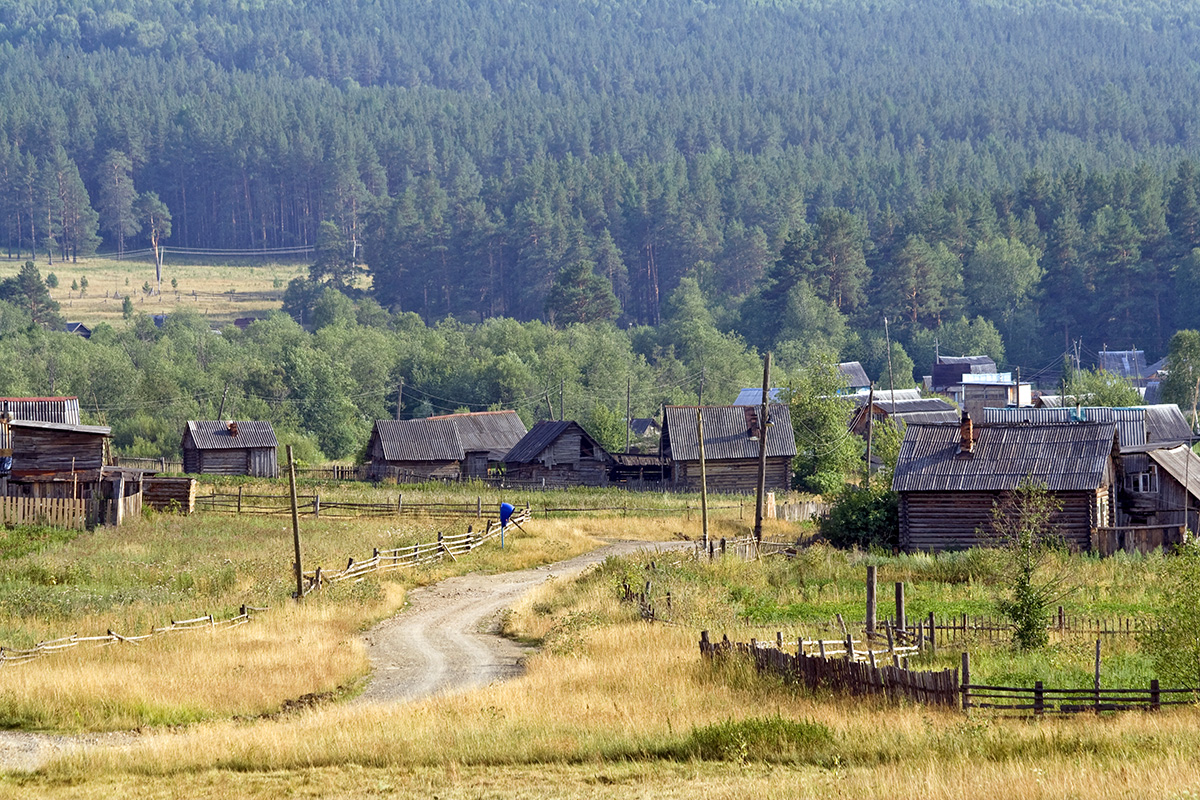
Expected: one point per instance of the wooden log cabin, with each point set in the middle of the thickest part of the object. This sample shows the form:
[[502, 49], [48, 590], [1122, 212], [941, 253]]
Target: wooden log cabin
[[950, 477], [486, 438], [731, 447], [559, 453], [414, 450], [214, 447]]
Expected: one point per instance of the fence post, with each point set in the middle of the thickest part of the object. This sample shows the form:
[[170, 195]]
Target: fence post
[[441, 546], [1155, 697], [932, 635], [317, 506], [870, 602], [399, 503], [1039, 699], [966, 680], [1061, 620], [1097, 676], [722, 545], [239, 499], [901, 620], [478, 507]]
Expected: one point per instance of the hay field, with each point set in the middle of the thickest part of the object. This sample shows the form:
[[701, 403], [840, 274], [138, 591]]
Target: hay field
[[221, 293]]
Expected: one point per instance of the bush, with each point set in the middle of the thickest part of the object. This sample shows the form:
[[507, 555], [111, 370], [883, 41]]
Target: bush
[[1173, 639], [863, 518], [771, 739]]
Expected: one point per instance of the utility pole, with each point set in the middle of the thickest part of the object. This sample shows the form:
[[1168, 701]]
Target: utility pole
[[224, 394], [703, 479], [400, 398], [295, 524], [700, 394], [549, 407], [764, 410], [870, 427], [628, 420], [562, 406]]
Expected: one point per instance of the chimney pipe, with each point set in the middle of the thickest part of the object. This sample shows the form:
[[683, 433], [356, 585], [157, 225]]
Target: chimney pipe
[[966, 434]]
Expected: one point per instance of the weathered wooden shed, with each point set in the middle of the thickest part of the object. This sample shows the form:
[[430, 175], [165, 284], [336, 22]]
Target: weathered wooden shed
[[1157, 486], [486, 437], [560, 453], [243, 447], [414, 449], [731, 447], [950, 477]]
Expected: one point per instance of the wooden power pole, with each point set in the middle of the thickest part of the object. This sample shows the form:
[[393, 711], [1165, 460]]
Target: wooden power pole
[[764, 410], [295, 524]]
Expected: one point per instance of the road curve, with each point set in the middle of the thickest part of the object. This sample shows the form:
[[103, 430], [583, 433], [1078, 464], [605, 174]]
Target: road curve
[[447, 638]]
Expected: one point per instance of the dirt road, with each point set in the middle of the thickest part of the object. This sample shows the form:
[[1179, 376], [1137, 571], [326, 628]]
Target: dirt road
[[447, 639]]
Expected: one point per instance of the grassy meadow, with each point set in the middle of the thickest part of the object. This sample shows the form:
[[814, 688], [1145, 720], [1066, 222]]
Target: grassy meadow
[[610, 706], [222, 293]]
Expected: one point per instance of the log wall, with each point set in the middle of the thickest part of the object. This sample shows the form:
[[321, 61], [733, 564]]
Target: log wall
[[734, 476], [960, 520], [163, 494]]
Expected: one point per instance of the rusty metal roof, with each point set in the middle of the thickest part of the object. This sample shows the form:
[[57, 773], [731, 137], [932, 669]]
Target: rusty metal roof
[[496, 432], [726, 432], [216, 435], [1063, 457], [418, 440]]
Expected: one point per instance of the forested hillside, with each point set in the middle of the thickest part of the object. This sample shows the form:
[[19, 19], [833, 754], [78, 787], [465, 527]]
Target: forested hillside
[[998, 176]]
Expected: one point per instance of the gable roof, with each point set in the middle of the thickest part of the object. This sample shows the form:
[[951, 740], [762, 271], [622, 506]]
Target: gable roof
[[860, 398], [418, 440], [542, 435], [1063, 457], [495, 432], [644, 426], [726, 433], [66, 427], [1128, 363], [854, 374], [215, 435], [1182, 464]]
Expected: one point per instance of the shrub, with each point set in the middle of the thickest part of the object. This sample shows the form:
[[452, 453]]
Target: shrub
[[863, 518], [771, 739]]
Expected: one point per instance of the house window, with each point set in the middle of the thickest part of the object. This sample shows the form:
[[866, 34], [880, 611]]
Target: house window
[[1143, 482]]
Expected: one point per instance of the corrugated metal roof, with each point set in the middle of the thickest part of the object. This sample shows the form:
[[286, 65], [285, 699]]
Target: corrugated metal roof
[[542, 435], [726, 433], [1138, 425], [43, 409], [923, 405], [972, 361], [1128, 363], [496, 432], [418, 440], [99, 430], [860, 398], [945, 417], [215, 434], [753, 397], [1063, 457], [1182, 464]]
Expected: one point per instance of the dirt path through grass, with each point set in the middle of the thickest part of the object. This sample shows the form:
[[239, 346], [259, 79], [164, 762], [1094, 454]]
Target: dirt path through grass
[[448, 640]]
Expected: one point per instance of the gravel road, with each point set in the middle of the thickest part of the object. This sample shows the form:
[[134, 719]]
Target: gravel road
[[447, 639]]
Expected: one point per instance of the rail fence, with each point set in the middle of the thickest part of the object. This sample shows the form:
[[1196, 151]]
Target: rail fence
[[12, 656], [414, 555], [243, 502]]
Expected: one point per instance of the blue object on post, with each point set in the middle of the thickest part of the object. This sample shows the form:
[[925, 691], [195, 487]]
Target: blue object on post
[[506, 511]]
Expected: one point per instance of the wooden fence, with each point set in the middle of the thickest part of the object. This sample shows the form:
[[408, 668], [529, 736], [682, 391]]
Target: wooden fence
[[803, 511], [243, 502], [845, 675], [11, 656], [53, 511], [413, 555]]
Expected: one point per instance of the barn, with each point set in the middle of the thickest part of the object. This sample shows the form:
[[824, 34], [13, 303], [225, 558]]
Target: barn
[[950, 477], [559, 453], [214, 447], [486, 437], [414, 450], [731, 447]]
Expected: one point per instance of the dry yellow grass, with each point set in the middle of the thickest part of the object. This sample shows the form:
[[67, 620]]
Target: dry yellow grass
[[256, 289]]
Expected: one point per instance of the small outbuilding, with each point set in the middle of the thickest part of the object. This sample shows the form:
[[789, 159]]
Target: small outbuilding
[[243, 447], [559, 453], [731, 447]]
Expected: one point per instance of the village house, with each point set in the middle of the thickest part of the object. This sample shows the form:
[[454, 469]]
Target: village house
[[558, 453], [731, 447], [415, 450], [902, 412], [950, 477], [244, 447], [485, 438]]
